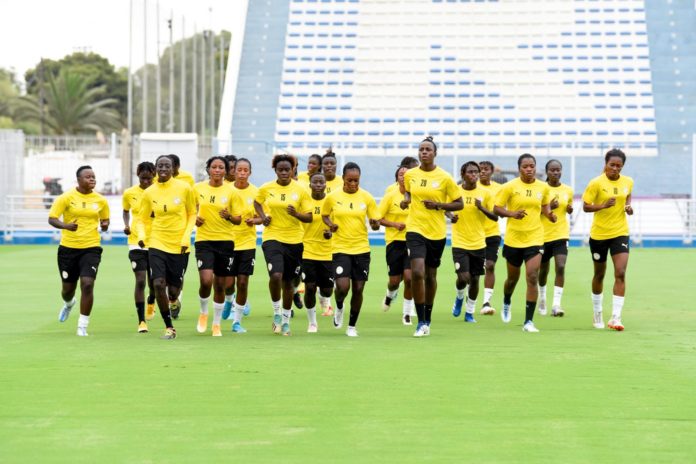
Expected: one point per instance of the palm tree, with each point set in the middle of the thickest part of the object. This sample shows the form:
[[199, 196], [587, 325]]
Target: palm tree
[[70, 106]]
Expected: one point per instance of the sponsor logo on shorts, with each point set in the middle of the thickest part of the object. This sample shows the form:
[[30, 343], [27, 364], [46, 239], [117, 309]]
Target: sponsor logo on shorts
[[595, 256], [625, 245], [134, 264], [303, 276], [297, 270], [457, 266], [270, 266], [64, 274], [339, 270], [200, 263]]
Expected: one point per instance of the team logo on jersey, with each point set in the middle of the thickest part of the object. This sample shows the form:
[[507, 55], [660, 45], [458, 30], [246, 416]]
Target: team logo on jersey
[[363, 206], [95, 206], [177, 200], [223, 200], [435, 184], [249, 201], [539, 195], [625, 190], [295, 196]]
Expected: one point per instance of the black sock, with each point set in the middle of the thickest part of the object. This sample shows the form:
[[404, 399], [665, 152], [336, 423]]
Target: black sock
[[167, 318], [151, 299], [507, 298], [420, 311], [353, 318], [339, 304], [428, 310], [140, 308], [529, 309]]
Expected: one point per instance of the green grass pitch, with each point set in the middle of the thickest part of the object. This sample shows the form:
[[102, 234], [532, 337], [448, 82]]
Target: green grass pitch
[[484, 392]]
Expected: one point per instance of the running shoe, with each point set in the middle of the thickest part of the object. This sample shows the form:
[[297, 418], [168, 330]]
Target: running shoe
[[426, 328], [469, 317], [142, 327], [542, 308], [615, 324], [149, 311], [598, 320], [285, 329], [175, 309], [237, 328], [202, 325], [277, 321], [338, 318], [529, 327], [65, 311], [557, 311], [247, 309], [420, 330], [506, 313], [487, 310], [227, 310], [351, 331], [386, 303], [217, 331], [457, 306], [297, 300], [82, 331], [312, 328], [169, 334], [406, 319]]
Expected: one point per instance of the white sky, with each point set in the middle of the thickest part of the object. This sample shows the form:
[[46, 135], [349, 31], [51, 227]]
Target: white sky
[[32, 29]]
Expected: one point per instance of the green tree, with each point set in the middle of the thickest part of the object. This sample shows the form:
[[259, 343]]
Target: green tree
[[9, 91], [70, 106]]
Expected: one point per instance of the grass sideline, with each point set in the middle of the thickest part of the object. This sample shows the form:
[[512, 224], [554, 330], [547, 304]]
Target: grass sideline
[[480, 393]]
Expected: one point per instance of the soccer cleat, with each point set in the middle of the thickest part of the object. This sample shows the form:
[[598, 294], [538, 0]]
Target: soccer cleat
[[529, 327], [420, 330], [169, 334], [406, 319], [506, 313], [227, 310], [386, 303], [297, 300], [597, 320], [277, 320], [426, 328], [82, 331], [65, 311], [557, 311], [351, 331], [615, 324], [469, 317], [542, 307], [338, 318], [312, 328], [149, 311], [328, 311], [487, 310], [217, 332], [202, 325], [285, 329], [175, 309], [457, 306], [142, 327], [237, 328], [247, 309]]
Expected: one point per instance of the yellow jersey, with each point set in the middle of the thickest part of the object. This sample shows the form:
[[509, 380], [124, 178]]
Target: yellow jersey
[[608, 222], [244, 235], [469, 232], [86, 211], [315, 245], [350, 211], [130, 202], [560, 230], [185, 176], [492, 227], [435, 185], [275, 199], [303, 178], [333, 185], [174, 206], [390, 209], [211, 200], [516, 195]]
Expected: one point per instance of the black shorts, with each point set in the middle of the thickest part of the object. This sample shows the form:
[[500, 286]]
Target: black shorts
[[138, 260], [421, 247], [244, 262], [471, 261], [616, 245], [554, 248], [516, 256], [357, 267], [74, 263], [285, 258], [217, 255], [397, 258], [168, 266], [319, 272], [492, 247]]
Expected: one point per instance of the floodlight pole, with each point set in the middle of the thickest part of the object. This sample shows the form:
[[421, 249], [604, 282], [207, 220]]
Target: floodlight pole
[[144, 124]]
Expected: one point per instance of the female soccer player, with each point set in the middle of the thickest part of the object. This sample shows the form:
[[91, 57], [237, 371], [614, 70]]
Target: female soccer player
[[168, 236], [317, 254], [79, 253], [137, 256], [428, 187], [345, 213], [556, 236], [288, 206], [214, 244], [394, 222], [244, 244], [469, 239], [609, 197], [492, 238], [313, 166], [522, 201], [328, 167]]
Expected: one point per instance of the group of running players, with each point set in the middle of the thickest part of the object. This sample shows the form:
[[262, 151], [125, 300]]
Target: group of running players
[[315, 233]]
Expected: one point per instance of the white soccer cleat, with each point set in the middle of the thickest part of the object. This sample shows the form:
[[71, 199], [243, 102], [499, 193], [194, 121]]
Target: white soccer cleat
[[529, 327], [557, 311], [506, 313], [421, 330], [487, 310], [65, 311], [351, 331], [542, 308], [312, 328], [597, 320], [615, 324], [338, 318], [82, 331]]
